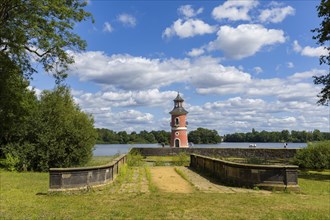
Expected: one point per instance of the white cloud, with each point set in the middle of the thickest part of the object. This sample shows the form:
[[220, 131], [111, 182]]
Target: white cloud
[[307, 75], [149, 98], [234, 10], [107, 27], [188, 28], [290, 65], [276, 15], [242, 114], [258, 69], [296, 46], [241, 42], [127, 20], [127, 72], [195, 52], [309, 51], [138, 73], [188, 12], [314, 51]]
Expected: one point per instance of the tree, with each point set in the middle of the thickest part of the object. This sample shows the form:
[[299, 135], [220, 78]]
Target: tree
[[59, 134], [17, 104], [66, 134], [41, 31], [323, 36], [204, 136]]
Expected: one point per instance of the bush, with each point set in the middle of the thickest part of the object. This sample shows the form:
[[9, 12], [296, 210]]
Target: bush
[[57, 134], [10, 162], [182, 159], [134, 159], [314, 156]]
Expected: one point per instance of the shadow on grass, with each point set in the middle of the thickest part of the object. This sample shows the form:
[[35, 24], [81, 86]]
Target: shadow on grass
[[314, 176]]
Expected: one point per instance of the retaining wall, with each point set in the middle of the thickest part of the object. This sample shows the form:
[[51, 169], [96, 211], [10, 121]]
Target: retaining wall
[[63, 179], [236, 174], [264, 153]]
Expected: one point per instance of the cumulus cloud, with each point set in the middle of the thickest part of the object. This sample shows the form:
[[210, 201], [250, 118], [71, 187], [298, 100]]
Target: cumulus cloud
[[195, 52], [276, 15], [241, 42], [139, 73], [234, 10], [243, 114], [107, 27], [188, 28], [306, 74], [127, 20], [149, 98], [188, 11], [309, 51], [258, 69]]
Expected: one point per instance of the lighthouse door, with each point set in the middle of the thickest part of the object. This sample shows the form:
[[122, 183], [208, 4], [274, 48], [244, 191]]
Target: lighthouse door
[[177, 143]]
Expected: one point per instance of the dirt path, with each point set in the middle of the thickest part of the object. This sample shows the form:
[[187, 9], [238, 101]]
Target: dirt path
[[167, 180], [135, 181]]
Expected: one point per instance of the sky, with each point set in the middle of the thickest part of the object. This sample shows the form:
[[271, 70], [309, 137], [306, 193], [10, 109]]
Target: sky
[[237, 64]]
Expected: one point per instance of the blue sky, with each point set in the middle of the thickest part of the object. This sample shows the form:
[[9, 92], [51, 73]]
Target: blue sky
[[238, 64]]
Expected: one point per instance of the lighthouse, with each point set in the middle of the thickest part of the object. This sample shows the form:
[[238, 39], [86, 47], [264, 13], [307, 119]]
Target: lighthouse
[[178, 124]]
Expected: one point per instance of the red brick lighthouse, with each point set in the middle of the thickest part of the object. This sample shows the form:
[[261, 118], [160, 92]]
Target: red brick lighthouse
[[178, 124]]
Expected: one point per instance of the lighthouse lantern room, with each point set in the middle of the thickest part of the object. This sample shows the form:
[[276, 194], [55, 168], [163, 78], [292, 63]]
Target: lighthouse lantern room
[[178, 124]]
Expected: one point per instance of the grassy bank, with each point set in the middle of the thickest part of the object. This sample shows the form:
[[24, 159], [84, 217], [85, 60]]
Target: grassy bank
[[24, 196]]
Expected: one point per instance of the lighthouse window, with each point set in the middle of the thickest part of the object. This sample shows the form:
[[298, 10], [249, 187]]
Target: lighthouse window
[[177, 121], [176, 133]]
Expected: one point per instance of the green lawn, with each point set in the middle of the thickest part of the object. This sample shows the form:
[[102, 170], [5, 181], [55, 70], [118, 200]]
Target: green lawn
[[24, 196]]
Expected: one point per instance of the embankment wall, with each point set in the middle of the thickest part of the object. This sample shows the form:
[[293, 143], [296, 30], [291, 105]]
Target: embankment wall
[[64, 179], [247, 175]]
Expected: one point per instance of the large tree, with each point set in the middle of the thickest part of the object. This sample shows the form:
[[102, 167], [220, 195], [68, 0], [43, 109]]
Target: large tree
[[323, 38], [34, 30]]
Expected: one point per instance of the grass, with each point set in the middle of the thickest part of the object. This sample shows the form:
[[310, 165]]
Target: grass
[[100, 160], [179, 160], [24, 196]]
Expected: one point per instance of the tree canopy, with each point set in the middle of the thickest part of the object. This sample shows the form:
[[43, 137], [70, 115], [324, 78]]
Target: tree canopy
[[323, 39], [277, 136], [54, 132], [41, 31]]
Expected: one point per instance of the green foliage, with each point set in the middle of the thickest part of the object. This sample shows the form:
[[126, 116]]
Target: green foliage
[[42, 29], [314, 156], [17, 106], [323, 37], [134, 159], [10, 162], [182, 159], [204, 136], [58, 134], [275, 136]]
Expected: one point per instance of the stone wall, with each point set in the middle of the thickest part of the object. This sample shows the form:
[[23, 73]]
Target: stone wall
[[236, 174], [63, 179], [264, 153]]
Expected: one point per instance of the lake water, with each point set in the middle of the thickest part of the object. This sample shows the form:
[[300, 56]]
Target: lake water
[[112, 149]]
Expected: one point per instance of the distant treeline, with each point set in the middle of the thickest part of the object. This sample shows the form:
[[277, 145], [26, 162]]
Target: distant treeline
[[277, 136], [198, 136], [206, 136]]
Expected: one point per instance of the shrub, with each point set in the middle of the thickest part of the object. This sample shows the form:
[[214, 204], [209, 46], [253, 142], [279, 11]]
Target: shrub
[[314, 156], [134, 159], [182, 159], [10, 162]]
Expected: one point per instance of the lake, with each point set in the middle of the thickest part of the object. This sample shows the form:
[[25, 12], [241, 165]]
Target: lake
[[112, 149]]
